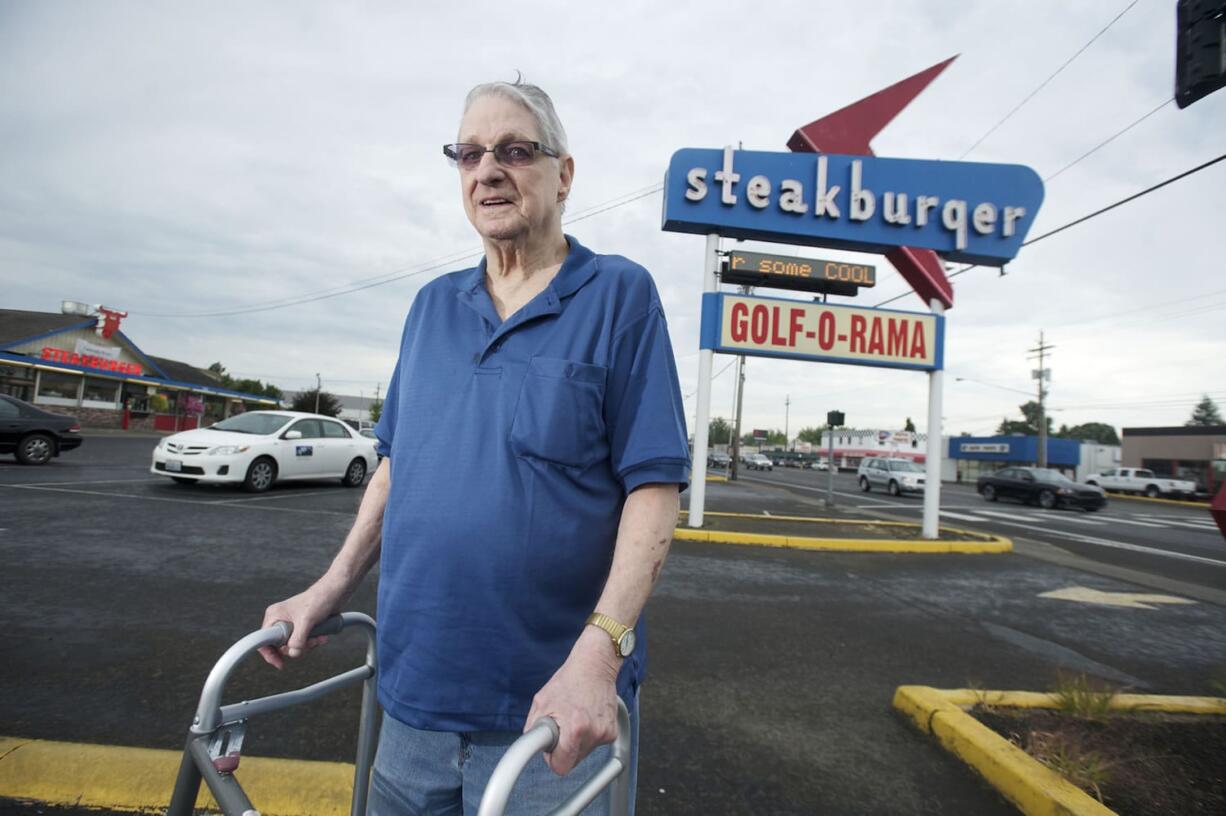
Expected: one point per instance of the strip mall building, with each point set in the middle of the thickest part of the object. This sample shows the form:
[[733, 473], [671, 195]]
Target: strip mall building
[[83, 365]]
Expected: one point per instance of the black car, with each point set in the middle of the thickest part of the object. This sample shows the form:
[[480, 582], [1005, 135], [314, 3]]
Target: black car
[[33, 435], [1047, 488]]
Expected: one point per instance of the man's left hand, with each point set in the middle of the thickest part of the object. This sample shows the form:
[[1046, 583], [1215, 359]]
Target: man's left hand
[[582, 698]]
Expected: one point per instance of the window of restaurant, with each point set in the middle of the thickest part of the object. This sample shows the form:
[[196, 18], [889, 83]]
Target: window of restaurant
[[136, 398], [58, 389], [99, 393], [17, 381]]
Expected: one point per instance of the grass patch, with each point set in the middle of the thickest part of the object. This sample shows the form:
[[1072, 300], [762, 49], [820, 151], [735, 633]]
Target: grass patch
[[1079, 696]]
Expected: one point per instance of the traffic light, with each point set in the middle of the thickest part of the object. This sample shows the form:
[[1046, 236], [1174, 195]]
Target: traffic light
[[1200, 49], [835, 419]]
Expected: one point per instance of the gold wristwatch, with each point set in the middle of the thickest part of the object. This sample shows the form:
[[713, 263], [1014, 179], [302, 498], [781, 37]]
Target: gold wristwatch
[[622, 635]]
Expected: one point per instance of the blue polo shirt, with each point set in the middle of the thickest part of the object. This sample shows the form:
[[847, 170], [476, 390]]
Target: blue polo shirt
[[513, 446]]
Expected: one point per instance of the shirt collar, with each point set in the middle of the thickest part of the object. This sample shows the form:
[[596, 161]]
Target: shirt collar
[[578, 268]]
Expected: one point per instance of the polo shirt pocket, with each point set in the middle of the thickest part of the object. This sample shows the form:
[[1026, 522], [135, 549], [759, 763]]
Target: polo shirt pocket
[[560, 414]]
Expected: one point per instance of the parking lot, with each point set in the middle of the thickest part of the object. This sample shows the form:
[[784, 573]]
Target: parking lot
[[771, 671]]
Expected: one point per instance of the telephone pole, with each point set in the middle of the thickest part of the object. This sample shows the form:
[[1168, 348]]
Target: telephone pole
[[736, 424], [1043, 375], [787, 401], [318, 387]]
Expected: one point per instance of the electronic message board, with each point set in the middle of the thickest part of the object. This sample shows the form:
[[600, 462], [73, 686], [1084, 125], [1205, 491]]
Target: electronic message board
[[804, 274]]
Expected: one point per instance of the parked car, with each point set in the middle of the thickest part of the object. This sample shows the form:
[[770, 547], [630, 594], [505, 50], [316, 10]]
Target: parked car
[[1042, 486], [1140, 480], [896, 476], [759, 462], [717, 459], [822, 466], [368, 433], [259, 448], [33, 435]]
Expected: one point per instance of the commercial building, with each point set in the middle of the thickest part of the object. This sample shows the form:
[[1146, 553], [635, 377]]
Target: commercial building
[[1194, 452], [78, 362], [972, 456], [851, 447]]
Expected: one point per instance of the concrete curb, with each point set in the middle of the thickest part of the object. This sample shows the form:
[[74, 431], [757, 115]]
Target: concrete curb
[[121, 778], [988, 544], [1182, 502], [1033, 787]]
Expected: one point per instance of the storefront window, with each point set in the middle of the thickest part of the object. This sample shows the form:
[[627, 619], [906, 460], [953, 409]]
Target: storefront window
[[100, 393], [17, 381], [58, 389]]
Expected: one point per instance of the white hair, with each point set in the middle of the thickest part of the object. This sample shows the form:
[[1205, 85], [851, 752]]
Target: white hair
[[535, 100]]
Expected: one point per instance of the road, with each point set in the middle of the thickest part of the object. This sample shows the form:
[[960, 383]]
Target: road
[[1172, 541]]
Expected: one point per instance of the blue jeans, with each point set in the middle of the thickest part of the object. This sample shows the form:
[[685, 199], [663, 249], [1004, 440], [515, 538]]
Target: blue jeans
[[444, 773]]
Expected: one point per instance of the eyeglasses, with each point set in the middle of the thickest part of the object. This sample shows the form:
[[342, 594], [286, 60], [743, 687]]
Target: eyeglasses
[[508, 154]]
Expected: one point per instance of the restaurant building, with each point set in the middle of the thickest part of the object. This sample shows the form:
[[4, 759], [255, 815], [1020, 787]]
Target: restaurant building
[[78, 362]]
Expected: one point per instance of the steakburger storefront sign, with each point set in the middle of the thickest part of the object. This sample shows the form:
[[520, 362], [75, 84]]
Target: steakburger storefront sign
[[75, 358], [799, 330]]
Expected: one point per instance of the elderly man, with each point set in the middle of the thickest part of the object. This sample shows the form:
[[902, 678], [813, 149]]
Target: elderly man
[[535, 446]]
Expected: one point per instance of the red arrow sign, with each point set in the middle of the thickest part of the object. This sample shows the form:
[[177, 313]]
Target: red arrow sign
[[849, 131]]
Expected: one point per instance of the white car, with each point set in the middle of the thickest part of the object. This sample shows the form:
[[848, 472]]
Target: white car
[[259, 448], [759, 462], [897, 476]]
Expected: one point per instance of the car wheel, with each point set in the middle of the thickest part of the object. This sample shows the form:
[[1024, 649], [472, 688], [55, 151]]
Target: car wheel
[[1047, 499], [260, 475], [1093, 509], [35, 449], [894, 489], [988, 493], [183, 480], [355, 474], [864, 485], [1152, 491]]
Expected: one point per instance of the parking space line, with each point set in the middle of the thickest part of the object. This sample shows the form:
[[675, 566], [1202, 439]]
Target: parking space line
[[173, 501], [94, 481], [267, 497]]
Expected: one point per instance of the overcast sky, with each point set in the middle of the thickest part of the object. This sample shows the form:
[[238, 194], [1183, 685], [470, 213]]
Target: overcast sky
[[177, 160]]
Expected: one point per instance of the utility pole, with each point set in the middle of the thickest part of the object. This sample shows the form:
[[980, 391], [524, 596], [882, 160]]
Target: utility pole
[[1043, 375], [736, 427], [787, 401], [318, 388]]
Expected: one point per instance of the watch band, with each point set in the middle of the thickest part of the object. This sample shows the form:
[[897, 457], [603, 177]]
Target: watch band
[[614, 629]]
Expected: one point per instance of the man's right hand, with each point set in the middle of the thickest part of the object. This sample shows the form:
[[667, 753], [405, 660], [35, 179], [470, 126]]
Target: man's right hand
[[304, 611]]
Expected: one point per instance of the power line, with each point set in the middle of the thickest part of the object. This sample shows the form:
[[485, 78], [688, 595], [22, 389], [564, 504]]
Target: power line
[[402, 273], [1044, 83], [1085, 218], [1109, 139]]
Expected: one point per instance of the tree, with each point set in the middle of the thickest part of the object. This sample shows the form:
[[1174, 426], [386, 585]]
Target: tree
[[811, 435], [247, 386], [305, 401], [777, 438], [376, 410], [910, 426], [1029, 426], [1097, 432], [719, 432], [1205, 413]]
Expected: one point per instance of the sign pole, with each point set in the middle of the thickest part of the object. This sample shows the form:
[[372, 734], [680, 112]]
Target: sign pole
[[706, 358], [830, 465], [932, 480]]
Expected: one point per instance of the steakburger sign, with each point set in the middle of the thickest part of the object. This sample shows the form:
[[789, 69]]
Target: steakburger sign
[[799, 330]]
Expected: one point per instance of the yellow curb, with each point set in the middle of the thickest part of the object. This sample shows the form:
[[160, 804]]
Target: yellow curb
[[122, 778], [1184, 502], [1032, 786], [717, 478], [997, 544]]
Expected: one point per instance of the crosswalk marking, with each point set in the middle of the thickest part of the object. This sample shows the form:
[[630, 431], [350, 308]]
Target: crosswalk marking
[[962, 516], [1149, 524], [1012, 516], [1081, 520]]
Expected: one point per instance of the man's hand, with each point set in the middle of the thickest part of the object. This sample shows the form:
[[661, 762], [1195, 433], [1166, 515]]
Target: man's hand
[[582, 697], [305, 611]]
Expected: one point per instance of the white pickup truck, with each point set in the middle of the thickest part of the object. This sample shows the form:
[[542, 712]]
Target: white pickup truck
[[1139, 480]]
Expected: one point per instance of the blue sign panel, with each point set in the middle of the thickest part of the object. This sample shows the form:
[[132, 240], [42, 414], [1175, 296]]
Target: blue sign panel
[[966, 211]]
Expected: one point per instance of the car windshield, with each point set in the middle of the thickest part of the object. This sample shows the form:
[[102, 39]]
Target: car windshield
[[254, 423], [1051, 477], [906, 467]]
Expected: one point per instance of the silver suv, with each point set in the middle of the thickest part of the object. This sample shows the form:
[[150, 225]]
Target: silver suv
[[897, 476]]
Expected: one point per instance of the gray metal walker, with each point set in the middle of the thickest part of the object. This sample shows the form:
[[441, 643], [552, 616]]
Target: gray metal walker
[[214, 741]]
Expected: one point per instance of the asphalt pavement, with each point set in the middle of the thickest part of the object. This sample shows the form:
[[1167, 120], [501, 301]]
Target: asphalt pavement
[[771, 671]]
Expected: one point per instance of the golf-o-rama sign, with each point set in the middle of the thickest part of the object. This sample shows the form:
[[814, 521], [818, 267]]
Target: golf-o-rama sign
[[776, 327], [966, 211]]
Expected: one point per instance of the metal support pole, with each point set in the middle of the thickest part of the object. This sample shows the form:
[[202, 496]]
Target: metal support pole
[[932, 480], [706, 359], [735, 464], [830, 466]]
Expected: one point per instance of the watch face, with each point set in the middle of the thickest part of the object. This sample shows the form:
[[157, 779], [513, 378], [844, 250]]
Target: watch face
[[626, 644]]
